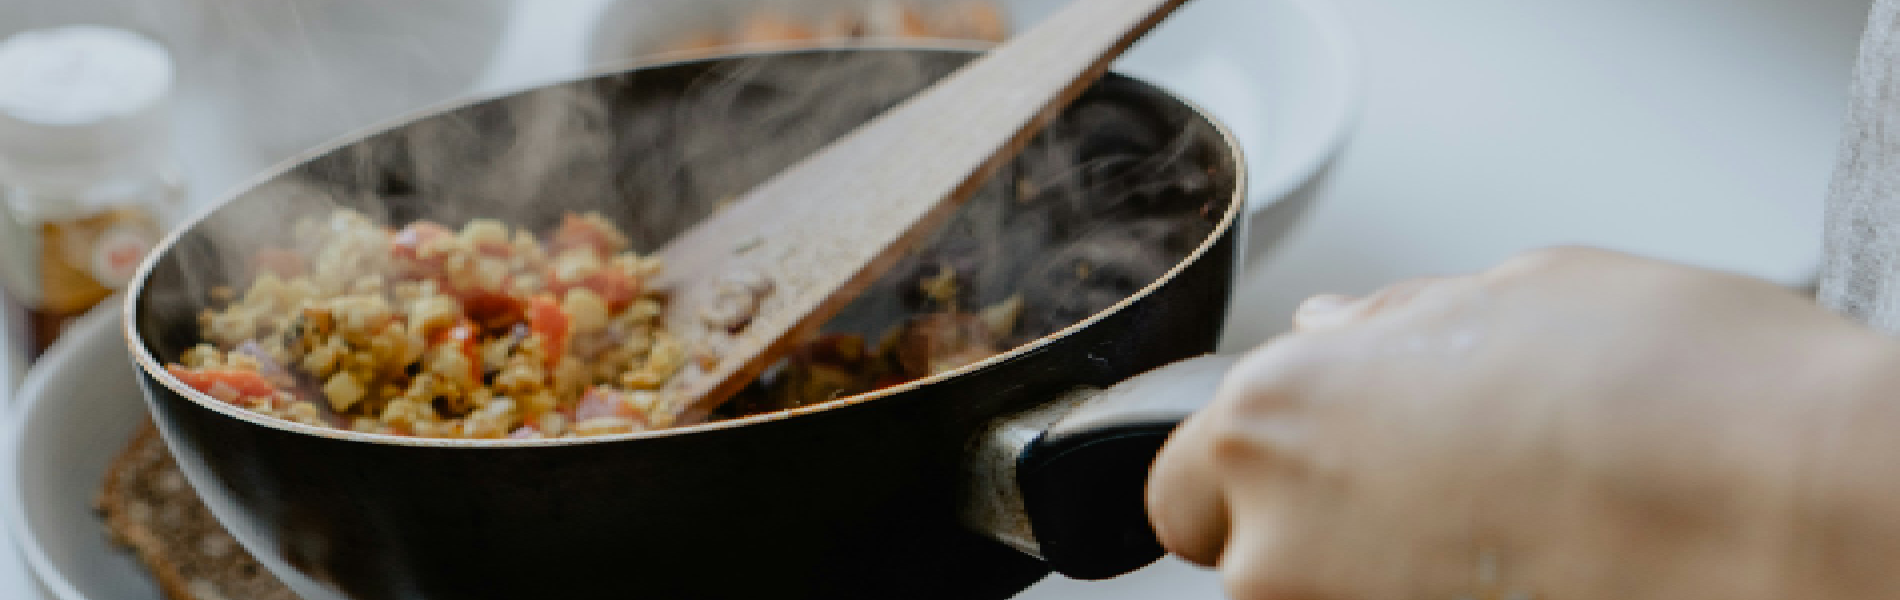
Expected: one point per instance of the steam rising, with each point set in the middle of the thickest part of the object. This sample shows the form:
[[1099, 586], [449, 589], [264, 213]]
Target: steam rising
[[1109, 198]]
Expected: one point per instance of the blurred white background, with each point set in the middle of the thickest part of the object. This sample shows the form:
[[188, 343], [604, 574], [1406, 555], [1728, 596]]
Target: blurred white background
[[1696, 130]]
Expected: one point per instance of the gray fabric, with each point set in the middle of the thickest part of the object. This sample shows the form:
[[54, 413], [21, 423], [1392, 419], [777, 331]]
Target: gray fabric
[[1860, 273]]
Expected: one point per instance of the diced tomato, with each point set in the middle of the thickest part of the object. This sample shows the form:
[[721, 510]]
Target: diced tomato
[[490, 308], [284, 263], [580, 232], [468, 337], [408, 243], [495, 249], [601, 401], [614, 286], [534, 421], [247, 384], [545, 317], [406, 246]]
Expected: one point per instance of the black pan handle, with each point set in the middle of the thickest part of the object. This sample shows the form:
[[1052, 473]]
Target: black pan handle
[[1066, 482]]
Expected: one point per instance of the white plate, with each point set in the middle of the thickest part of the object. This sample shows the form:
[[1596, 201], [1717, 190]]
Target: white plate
[[1283, 74], [69, 419]]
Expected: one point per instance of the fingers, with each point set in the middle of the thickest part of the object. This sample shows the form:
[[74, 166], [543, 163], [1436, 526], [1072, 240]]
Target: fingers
[[1234, 439], [1546, 260], [1399, 295], [1331, 311], [1186, 505], [1215, 496], [1325, 311], [1262, 565]]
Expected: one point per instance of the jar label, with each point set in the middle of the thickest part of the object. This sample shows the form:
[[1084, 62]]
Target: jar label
[[118, 251]]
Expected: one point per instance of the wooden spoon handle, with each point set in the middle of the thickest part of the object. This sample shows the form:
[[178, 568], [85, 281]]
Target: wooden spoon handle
[[814, 236]]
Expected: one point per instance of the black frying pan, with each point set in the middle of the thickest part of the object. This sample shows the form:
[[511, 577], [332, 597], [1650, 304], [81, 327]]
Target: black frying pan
[[1118, 228]]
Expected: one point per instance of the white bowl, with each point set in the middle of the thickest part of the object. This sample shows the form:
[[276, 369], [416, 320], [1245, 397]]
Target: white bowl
[[1282, 74], [68, 420]]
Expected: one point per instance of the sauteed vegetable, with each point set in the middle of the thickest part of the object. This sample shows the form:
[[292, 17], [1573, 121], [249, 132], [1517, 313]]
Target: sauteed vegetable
[[483, 332], [489, 332]]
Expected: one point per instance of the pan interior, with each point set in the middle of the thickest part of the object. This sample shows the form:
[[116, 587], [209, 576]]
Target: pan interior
[[1117, 191]]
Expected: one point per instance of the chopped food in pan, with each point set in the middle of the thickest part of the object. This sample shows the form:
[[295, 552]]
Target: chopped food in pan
[[424, 330], [489, 332]]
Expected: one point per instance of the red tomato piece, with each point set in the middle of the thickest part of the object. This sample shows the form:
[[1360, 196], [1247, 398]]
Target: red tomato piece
[[468, 337], [614, 286], [495, 249], [534, 421], [490, 308], [248, 384], [493, 308], [545, 317], [578, 232], [408, 243]]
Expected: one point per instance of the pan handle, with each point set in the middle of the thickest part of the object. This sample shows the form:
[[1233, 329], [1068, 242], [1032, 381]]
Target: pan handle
[[1066, 482]]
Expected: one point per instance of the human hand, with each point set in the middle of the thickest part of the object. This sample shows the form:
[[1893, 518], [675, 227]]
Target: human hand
[[1574, 424]]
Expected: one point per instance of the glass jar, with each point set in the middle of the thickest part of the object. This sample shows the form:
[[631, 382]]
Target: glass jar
[[87, 177]]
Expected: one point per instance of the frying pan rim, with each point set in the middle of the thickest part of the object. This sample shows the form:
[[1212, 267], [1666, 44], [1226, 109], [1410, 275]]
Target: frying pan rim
[[146, 362]]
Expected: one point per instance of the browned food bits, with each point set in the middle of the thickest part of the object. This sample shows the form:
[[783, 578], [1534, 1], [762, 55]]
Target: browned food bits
[[483, 332]]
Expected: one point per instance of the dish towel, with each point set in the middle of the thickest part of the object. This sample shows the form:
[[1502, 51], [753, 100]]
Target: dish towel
[[1860, 270]]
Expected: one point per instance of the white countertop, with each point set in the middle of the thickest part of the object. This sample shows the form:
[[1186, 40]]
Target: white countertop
[[1695, 130]]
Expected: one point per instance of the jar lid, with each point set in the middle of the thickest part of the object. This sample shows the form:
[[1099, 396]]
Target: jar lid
[[82, 97]]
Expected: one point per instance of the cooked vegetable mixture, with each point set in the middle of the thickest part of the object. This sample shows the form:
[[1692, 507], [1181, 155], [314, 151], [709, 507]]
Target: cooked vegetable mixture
[[490, 333], [427, 331]]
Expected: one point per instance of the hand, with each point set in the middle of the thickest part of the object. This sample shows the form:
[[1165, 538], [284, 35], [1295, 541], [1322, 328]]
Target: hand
[[1572, 425]]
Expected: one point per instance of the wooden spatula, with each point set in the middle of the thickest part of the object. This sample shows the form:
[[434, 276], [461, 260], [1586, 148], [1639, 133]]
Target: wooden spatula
[[770, 268]]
